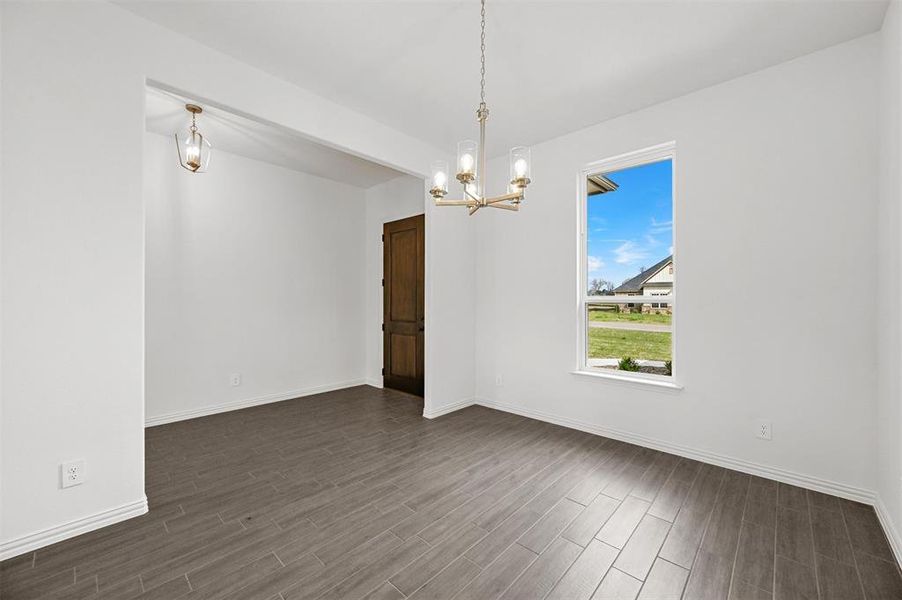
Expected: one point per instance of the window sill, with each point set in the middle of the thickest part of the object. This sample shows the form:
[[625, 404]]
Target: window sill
[[672, 386]]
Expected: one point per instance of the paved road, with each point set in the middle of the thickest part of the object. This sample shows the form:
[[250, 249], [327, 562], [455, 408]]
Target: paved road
[[633, 326]]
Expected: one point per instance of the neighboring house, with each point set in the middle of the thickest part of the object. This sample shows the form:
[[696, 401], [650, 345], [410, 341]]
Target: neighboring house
[[654, 281]]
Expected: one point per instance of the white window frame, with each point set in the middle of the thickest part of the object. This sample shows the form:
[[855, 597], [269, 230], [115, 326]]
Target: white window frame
[[617, 163]]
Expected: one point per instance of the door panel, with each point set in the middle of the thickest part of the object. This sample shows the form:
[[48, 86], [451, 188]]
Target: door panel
[[403, 304], [403, 275]]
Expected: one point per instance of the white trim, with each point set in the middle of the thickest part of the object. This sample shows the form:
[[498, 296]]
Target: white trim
[[665, 151], [448, 408], [374, 382], [889, 528], [40, 539], [239, 404], [721, 460], [638, 379]]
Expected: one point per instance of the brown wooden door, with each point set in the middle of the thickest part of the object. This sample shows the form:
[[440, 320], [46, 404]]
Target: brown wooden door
[[404, 268]]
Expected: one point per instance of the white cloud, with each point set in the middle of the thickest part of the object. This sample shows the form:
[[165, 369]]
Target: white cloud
[[629, 253], [660, 226], [594, 264]]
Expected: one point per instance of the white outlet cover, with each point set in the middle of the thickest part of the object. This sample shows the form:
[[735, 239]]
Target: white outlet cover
[[73, 473], [235, 379], [764, 430]]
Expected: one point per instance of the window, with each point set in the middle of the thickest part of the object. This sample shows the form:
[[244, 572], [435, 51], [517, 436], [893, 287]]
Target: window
[[626, 275]]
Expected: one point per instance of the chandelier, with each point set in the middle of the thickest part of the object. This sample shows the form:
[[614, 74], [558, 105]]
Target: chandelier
[[196, 147], [471, 162]]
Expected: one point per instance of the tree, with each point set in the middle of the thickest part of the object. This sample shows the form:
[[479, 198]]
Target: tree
[[600, 287]]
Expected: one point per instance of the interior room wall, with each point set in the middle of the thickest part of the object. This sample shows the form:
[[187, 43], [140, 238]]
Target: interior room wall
[[73, 79], [889, 336], [396, 199], [251, 269], [776, 180]]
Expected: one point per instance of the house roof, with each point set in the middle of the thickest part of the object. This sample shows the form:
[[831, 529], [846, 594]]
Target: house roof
[[635, 284], [600, 184]]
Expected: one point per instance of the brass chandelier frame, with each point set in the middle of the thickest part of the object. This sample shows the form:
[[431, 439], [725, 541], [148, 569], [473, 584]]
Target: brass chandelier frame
[[474, 182]]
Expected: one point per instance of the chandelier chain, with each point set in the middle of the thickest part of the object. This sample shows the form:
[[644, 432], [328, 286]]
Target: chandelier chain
[[482, 58]]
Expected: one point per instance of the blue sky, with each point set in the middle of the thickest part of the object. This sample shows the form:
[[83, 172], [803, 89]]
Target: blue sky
[[632, 227]]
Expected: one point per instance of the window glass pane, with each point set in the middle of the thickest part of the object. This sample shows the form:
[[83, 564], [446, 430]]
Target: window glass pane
[[629, 337], [630, 269], [629, 231]]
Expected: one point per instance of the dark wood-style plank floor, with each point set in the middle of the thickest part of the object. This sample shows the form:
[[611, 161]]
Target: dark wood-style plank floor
[[352, 494]]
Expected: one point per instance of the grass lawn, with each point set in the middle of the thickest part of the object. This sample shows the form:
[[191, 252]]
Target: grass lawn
[[617, 343], [610, 315]]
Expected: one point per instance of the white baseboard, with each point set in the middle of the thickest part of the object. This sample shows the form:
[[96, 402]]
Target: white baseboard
[[193, 413], [448, 408], [374, 382], [33, 541], [737, 464], [889, 528]]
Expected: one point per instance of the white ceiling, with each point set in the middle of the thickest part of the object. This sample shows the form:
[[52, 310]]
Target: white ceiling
[[552, 67], [166, 115]]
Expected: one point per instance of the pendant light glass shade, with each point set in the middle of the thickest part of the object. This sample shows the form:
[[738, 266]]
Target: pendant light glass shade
[[193, 149], [466, 161], [520, 166], [439, 179]]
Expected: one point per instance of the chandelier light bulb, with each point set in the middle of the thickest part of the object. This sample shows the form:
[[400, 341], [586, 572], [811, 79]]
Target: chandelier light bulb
[[192, 154], [520, 168], [466, 163]]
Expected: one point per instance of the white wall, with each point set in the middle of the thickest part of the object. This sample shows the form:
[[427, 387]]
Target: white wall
[[389, 201], [252, 269], [775, 171], [450, 292], [73, 82], [889, 352]]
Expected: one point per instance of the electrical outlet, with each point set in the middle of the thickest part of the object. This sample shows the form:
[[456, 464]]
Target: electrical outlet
[[764, 430], [73, 473], [499, 380], [235, 379]]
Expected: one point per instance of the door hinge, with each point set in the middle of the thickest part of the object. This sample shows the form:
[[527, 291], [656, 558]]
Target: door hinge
[[383, 370], [383, 237], [383, 283], [383, 327]]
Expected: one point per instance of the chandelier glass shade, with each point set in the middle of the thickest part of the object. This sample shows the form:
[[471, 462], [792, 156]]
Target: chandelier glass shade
[[192, 147], [471, 158]]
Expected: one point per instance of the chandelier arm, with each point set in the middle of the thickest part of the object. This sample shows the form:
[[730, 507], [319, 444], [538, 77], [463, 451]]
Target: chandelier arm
[[473, 209], [504, 198], [455, 203], [477, 199], [514, 207]]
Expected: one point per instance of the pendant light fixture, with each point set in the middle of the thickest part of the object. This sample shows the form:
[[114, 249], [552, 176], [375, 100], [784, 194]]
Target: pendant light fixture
[[193, 148], [471, 162]]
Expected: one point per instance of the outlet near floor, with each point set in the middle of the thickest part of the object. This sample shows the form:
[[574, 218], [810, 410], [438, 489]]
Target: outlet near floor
[[764, 430], [235, 379], [72, 473]]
